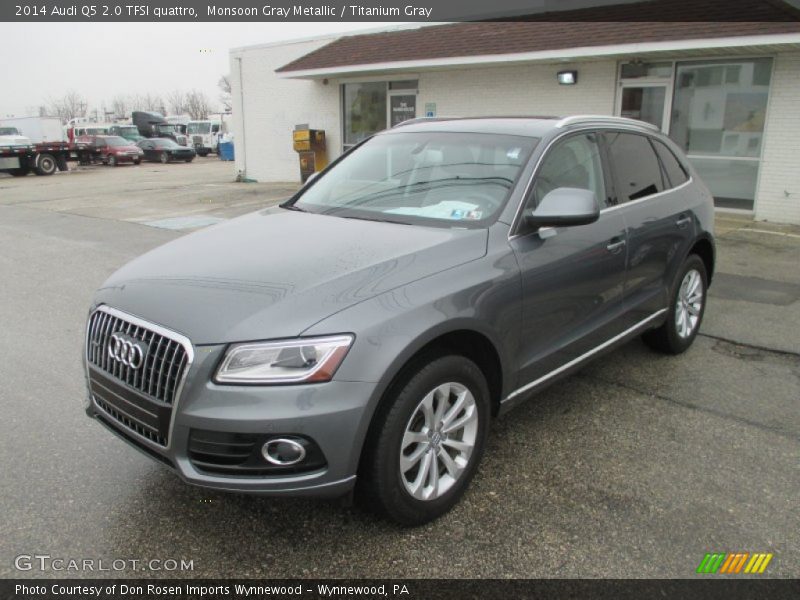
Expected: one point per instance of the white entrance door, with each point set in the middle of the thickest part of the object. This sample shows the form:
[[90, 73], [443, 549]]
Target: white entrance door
[[645, 102]]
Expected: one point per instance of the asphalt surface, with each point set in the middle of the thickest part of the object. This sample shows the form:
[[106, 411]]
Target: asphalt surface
[[635, 467]]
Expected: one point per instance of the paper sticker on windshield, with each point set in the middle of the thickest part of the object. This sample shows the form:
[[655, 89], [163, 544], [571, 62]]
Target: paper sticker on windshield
[[513, 154], [471, 215]]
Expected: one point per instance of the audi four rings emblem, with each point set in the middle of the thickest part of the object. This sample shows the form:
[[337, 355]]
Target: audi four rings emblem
[[127, 350]]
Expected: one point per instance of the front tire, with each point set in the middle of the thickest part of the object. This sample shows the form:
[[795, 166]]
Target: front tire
[[164, 158], [686, 309], [112, 160], [425, 446]]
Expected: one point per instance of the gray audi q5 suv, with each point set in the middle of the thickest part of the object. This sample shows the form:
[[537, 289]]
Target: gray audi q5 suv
[[362, 335]]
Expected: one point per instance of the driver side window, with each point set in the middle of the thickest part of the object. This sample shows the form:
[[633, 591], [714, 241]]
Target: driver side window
[[573, 163]]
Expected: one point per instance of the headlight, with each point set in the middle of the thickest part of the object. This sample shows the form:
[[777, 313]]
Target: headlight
[[304, 360]]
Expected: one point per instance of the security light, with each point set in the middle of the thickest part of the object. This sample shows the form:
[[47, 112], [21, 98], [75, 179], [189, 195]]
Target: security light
[[567, 77]]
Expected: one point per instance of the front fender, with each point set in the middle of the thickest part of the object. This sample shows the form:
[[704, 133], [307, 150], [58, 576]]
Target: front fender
[[481, 296]]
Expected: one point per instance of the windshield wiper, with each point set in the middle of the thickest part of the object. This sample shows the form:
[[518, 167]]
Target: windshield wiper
[[293, 207], [371, 219]]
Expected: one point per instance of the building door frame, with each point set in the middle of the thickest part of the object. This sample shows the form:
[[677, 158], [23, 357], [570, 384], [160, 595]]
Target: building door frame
[[667, 87]]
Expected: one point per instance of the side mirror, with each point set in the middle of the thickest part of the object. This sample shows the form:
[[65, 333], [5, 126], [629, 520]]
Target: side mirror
[[564, 207]]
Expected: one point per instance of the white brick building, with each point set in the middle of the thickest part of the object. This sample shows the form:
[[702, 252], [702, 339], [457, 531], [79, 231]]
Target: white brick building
[[728, 93]]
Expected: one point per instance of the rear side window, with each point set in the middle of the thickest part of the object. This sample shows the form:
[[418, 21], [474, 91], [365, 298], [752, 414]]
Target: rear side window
[[636, 166], [673, 168]]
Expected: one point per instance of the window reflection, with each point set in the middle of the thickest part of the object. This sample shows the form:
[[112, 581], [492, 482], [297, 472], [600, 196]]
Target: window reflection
[[719, 107]]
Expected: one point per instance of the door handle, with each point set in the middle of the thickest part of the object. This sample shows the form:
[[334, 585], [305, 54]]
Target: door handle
[[615, 245], [683, 221]]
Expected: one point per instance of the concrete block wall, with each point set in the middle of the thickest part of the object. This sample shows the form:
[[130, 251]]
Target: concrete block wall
[[778, 193], [266, 110]]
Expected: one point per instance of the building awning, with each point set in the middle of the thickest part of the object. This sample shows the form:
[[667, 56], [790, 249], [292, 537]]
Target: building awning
[[757, 23]]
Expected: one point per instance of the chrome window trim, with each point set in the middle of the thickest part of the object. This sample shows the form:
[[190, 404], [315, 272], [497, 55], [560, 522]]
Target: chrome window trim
[[648, 197], [583, 356], [160, 330], [632, 127]]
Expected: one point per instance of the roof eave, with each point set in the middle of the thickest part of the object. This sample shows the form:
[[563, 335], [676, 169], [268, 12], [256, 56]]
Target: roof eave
[[583, 52]]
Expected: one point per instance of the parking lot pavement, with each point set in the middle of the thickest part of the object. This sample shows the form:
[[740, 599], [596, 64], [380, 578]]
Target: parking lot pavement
[[146, 193], [635, 467]]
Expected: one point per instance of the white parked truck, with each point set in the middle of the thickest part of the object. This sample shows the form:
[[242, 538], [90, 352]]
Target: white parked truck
[[203, 136], [32, 144]]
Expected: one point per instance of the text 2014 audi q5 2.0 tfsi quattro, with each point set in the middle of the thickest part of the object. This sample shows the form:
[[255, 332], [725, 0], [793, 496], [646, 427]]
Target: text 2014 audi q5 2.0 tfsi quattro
[[362, 335]]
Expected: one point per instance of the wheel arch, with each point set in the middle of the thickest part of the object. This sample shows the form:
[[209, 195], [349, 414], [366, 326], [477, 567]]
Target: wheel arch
[[704, 248], [463, 339]]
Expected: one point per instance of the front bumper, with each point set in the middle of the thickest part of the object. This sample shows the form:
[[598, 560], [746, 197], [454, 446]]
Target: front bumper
[[333, 415]]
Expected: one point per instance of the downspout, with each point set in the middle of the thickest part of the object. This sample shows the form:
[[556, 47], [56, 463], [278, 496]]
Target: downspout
[[243, 173]]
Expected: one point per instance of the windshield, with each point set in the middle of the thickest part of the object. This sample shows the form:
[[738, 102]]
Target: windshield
[[198, 128], [453, 179], [129, 130], [165, 144], [8, 131], [117, 141], [165, 128]]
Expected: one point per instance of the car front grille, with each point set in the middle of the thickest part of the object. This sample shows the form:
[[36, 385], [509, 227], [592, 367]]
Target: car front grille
[[136, 390], [198, 140]]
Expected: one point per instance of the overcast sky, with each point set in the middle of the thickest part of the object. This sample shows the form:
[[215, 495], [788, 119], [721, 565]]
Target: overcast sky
[[101, 60]]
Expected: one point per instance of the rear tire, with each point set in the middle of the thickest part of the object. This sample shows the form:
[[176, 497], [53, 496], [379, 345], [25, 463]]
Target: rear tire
[[46, 165], [188, 160], [424, 447], [685, 312]]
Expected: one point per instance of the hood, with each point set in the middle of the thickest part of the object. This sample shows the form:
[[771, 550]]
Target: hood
[[274, 273], [14, 140]]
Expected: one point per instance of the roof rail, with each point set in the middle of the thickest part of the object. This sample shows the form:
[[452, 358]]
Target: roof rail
[[579, 119], [416, 120]]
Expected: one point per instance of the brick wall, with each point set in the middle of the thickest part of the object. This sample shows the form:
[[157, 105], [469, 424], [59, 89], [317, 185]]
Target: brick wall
[[520, 90], [778, 194]]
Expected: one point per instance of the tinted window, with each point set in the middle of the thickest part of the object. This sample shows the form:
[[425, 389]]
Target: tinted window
[[635, 164], [574, 163], [673, 168]]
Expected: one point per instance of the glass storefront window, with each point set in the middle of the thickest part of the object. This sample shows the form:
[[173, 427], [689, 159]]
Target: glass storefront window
[[364, 110], [718, 112], [718, 108]]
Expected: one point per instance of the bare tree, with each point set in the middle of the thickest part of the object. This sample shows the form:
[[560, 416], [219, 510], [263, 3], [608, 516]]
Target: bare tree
[[197, 105], [119, 105], [224, 85], [152, 102], [70, 105], [176, 102]]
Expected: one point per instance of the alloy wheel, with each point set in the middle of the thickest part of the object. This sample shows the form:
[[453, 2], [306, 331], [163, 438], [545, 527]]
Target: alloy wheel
[[438, 441], [689, 303]]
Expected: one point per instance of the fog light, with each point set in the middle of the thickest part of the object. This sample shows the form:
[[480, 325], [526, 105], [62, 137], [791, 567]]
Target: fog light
[[283, 452]]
